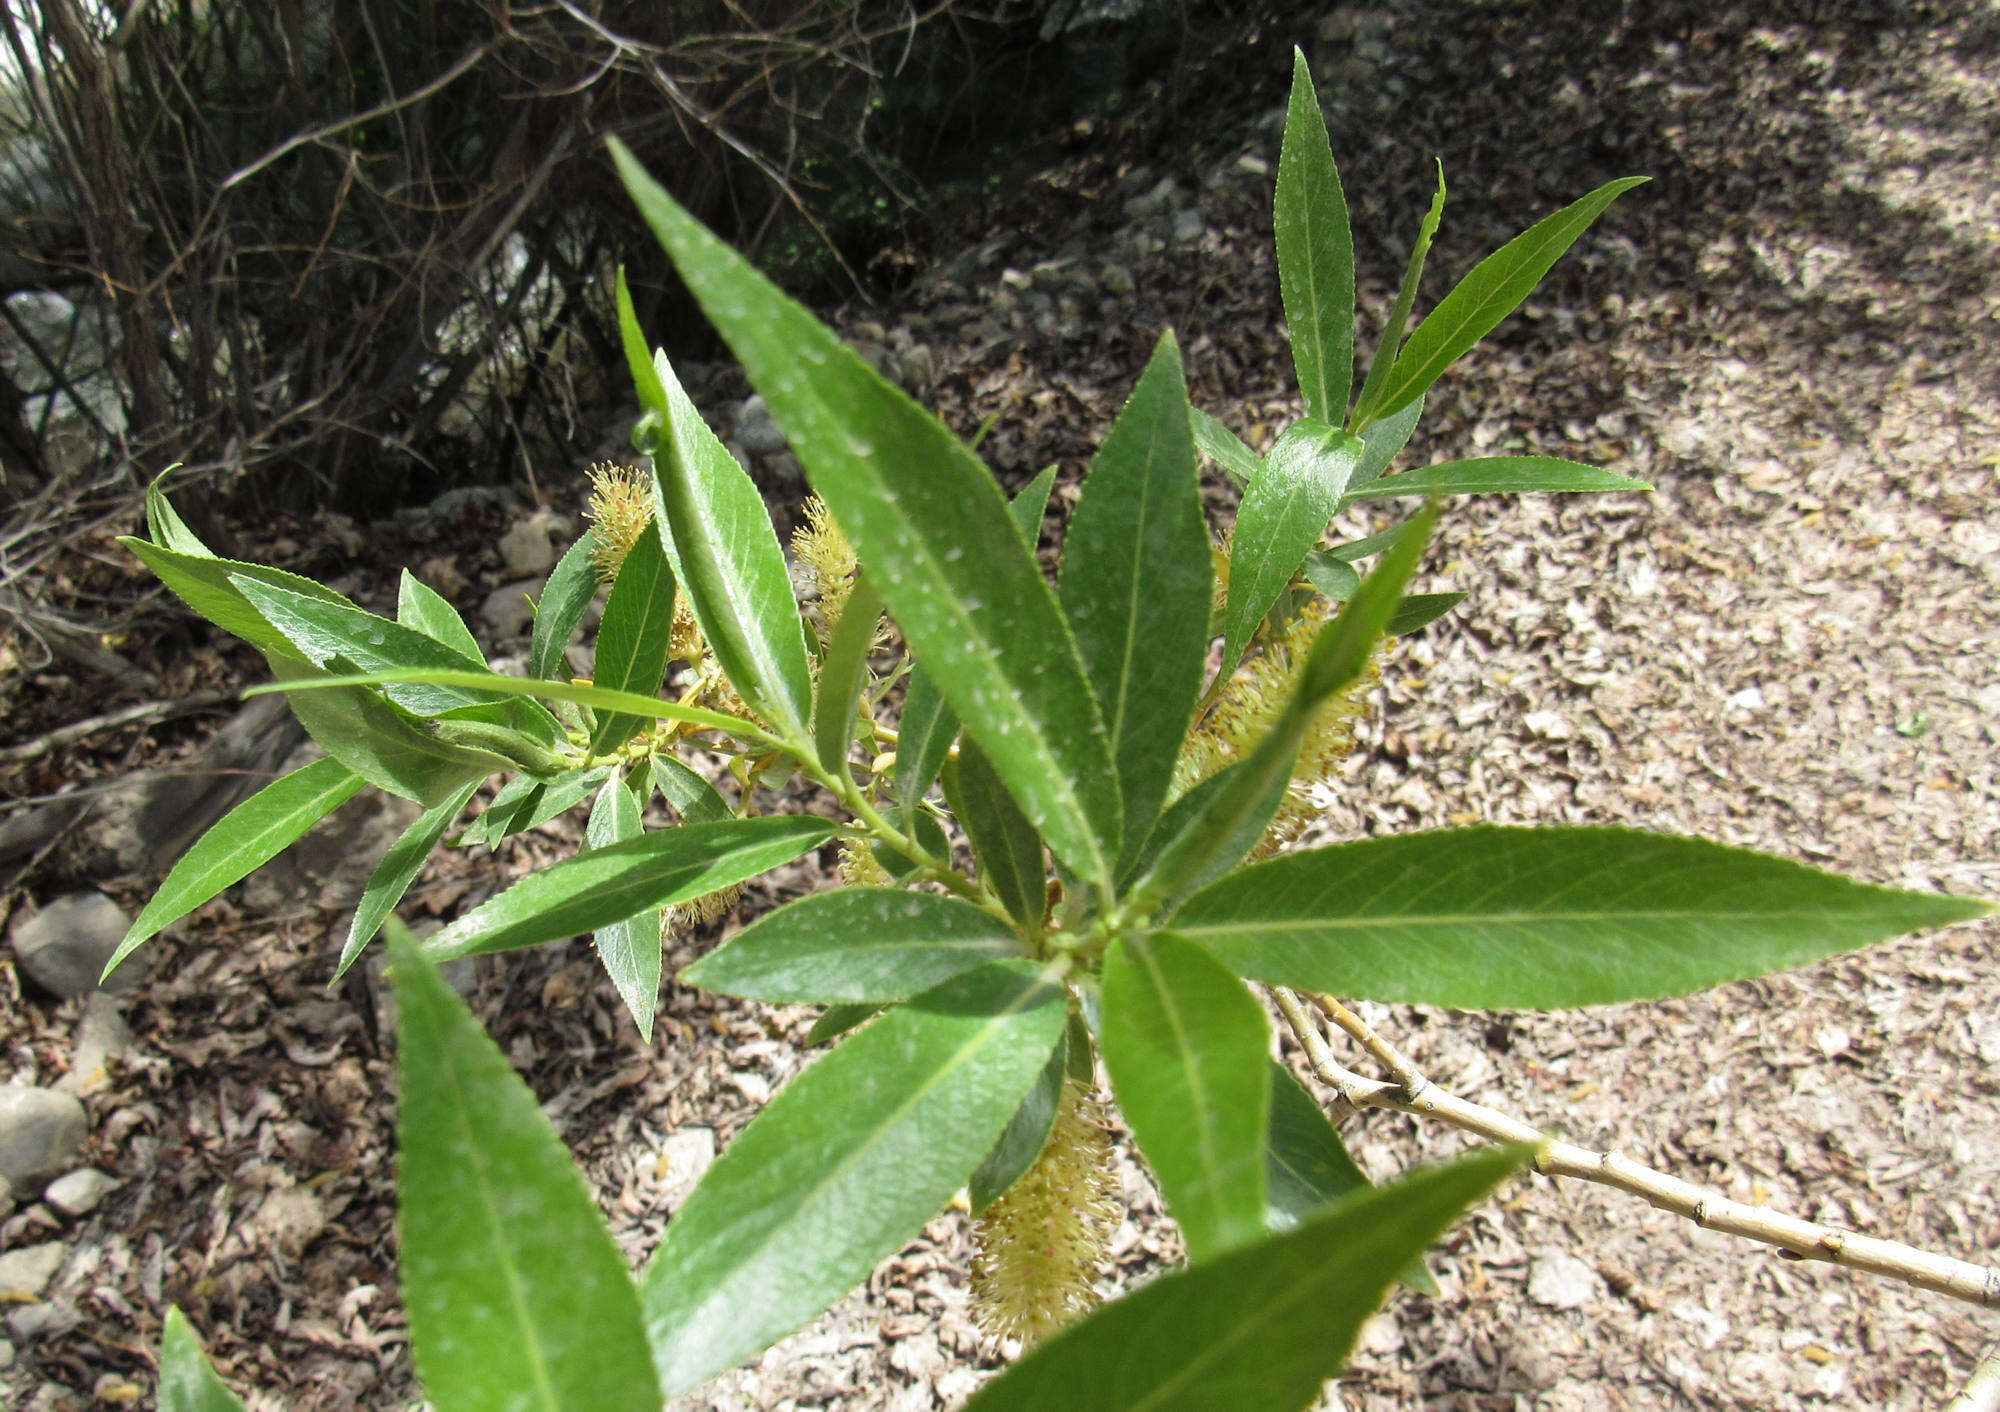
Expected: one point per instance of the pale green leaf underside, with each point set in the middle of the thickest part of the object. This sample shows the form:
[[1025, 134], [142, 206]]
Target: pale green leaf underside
[[1498, 918], [1497, 475], [629, 950]]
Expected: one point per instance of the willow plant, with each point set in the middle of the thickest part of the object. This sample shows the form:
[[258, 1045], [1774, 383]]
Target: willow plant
[[1065, 813]]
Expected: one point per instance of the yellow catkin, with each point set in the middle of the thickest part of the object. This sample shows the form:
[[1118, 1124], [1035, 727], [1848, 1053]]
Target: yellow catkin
[[1040, 1248], [621, 506], [700, 911], [821, 546], [859, 867]]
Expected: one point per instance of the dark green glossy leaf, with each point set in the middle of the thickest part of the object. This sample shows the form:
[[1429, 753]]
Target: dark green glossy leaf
[[1340, 653], [566, 596], [1493, 290], [691, 795], [1498, 475], [843, 674], [726, 555], [1188, 1051], [837, 1020], [1224, 447], [1497, 918], [1315, 255], [1282, 517], [422, 607], [1307, 1167], [1257, 1330], [609, 884], [526, 802], [1418, 611], [517, 1295], [866, 945], [241, 842], [1336, 578], [1004, 842], [922, 512], [397, 870], [1355, 550], [1381, 443], [1137, 582], [1027, 1133], [635, 638], [629, 949], [844, 1166], [187, 1382], [1399, 318]]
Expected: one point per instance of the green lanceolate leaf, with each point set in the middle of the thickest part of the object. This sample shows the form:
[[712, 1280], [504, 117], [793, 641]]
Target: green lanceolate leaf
[[1498, 475], [1315, 255], [629, 949], [1212, 826], [517, 1295], [1224, 447], [331, 635], [422, 607], [1005, 843], [187, 1382], [856, 945], [397, 870], [1283, 514], [1307, 1167], [164, 522], [241, 842], [1136, 584], [566, 596], [620, 880], [1029, 504], [724, 550], [837, 1020], [1381, 443], [373, 737], [1399, 318], [1493, 290], [844, 1166], [842, 675], [1257, 1330], [1418, 611], [1187, 1047], [1027, 1134], [1497, 918], [691, 795], [526, 802], [597, 697], [635, 637], [922, 512], [209, 586], [1336, 578]]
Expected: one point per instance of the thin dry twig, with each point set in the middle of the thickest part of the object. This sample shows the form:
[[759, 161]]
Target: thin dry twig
[[1982, 1390], [124, 716], [1794, 1237]]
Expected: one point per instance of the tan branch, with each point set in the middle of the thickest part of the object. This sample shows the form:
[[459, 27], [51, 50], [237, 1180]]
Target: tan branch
[[1982, 1392], [1794, 1237]]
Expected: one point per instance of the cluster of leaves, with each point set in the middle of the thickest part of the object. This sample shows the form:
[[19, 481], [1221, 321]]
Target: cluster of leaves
[[1107, 912]]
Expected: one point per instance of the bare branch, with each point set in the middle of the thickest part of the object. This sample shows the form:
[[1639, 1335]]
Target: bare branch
[[1794, 1237], [1982, 1393]]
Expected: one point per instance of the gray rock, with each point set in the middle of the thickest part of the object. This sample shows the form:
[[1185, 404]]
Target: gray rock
[[1189, 226], [757, 431], [63, 947], [1561, 1281], [331, 865], [26, 1272], [6, 1197], [79, 1192], [507, 611], [528, 549], [33, 1321], [6, 1355], [41, 1133], [1117, 279], [101, 1036], [684, 1157]]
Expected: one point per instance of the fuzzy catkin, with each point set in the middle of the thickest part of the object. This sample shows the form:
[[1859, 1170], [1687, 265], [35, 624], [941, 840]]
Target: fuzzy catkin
[[621, 506], [822, 547], [1040, 1248]]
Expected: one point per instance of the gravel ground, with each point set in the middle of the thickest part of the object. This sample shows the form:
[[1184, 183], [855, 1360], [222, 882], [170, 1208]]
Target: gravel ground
[[1790, 333]]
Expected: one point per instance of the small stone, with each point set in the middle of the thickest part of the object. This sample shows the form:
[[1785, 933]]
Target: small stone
[[1117, 279], [528, 549], [26, 1272], [757, 431], [6, 1355], [508, 610], [101, 1036], [6, 1197], [685, 1157], [1562, 1282], [1751, 698], [63, 947], [41, 1133], [1189, 226], [78, 1193], [753, 1086], [46, 1320], [288, 1221]]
